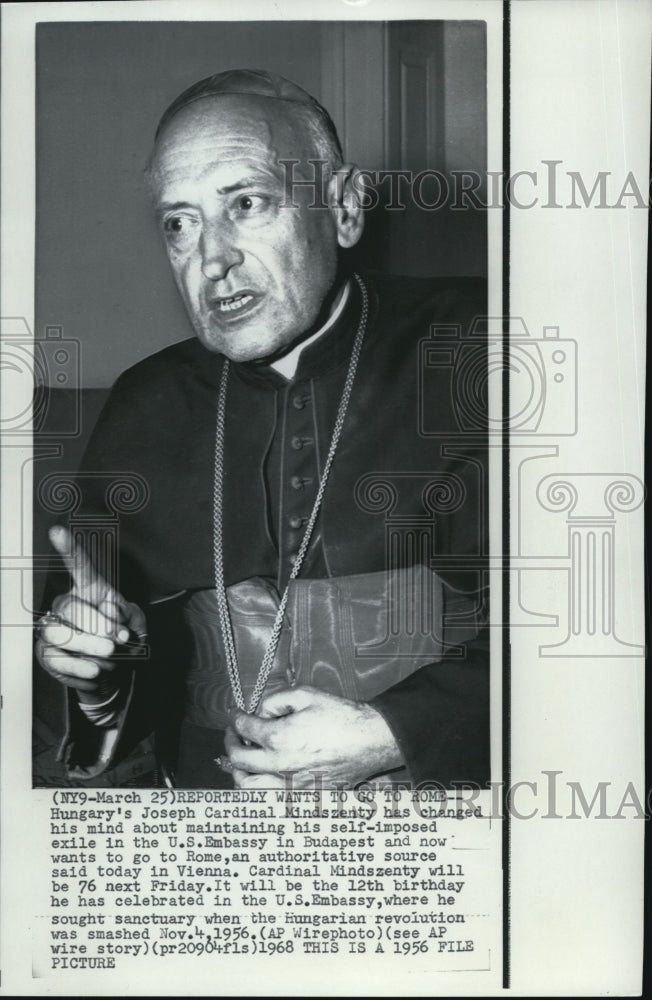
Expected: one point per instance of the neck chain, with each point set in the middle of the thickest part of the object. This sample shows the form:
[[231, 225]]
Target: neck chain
[[218, 507]]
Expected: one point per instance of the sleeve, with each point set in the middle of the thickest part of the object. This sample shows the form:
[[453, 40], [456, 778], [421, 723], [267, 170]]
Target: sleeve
[[88, 750], [147, 554], [146, 731], [124, 748]]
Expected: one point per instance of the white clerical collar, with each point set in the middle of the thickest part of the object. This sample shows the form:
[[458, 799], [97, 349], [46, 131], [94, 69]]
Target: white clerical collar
[[287, 365]]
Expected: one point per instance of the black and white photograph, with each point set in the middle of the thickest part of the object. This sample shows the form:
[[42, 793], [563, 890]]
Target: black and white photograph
[[323, 624], [284, 563]]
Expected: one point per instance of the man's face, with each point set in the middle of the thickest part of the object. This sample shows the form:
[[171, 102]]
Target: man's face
[[253, 272]]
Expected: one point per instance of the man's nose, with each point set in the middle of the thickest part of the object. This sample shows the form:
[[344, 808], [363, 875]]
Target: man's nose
[[219, 252]]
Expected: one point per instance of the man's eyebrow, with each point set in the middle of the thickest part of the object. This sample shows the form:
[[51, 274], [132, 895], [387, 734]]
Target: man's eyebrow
[[171, 206], [256, 180]]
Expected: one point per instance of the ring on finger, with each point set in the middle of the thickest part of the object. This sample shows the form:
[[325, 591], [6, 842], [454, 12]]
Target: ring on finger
[[50, 618]]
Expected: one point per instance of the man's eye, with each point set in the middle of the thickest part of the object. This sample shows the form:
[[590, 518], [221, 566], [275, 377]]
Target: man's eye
[[176, 224], [249, 204], [179, 230]]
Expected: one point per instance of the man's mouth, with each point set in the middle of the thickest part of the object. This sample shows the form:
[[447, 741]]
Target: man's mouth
[[234, 302]]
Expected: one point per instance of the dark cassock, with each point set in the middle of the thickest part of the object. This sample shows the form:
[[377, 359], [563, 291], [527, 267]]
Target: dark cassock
[[353, 494]]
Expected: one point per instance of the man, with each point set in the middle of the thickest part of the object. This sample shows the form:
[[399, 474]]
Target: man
[[261, 565]]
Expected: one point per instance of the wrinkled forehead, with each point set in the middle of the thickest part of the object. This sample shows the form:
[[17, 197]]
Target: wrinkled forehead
[[219, 129]]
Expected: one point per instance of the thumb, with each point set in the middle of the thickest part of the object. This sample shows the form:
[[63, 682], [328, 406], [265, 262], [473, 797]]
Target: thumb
[[88, 584]]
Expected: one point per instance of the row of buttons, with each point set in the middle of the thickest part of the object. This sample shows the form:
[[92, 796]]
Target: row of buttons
[[299, 442]]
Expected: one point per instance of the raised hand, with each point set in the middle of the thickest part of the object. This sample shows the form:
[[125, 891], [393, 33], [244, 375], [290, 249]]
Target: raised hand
[[86, 627]]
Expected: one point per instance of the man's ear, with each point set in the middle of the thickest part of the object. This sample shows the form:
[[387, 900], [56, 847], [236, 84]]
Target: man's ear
[[345, 190]]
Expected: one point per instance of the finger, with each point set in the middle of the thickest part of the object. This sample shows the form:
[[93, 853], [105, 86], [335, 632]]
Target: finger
[[87, 582], [73, 671], [110, 609], [284, 702], [63, 664], [239, 777], [254, 761], [65, 637], [303, 779], [231, 739], [245, 780], [252, 728], [81, 615]]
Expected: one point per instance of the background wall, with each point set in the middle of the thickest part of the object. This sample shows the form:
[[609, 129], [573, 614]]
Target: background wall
[[408, 94]]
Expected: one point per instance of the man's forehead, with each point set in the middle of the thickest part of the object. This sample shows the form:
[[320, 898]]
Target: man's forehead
[[206, 149], [233, 123]]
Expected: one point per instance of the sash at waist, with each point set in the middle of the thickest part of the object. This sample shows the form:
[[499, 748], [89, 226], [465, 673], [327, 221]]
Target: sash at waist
[[352, 636]]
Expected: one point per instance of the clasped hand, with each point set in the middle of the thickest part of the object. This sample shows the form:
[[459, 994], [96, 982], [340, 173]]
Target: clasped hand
[[302, 736]]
